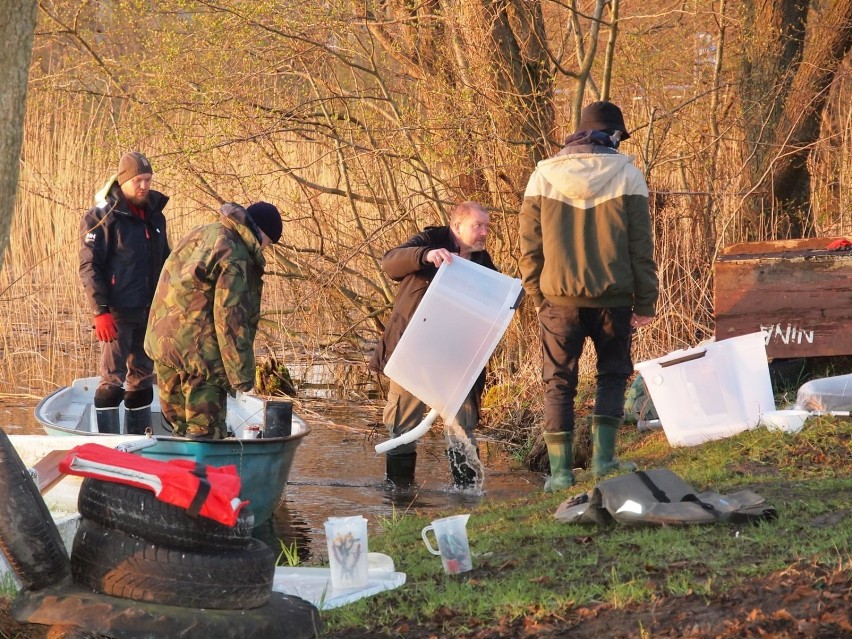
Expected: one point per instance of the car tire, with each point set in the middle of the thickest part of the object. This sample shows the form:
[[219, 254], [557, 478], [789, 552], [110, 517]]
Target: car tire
[[137, 512], [28, 535], [120, 565]]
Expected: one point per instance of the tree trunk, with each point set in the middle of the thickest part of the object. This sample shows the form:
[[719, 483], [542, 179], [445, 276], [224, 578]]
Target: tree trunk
[[791, 57], [17, 23], [489, 58], [799, 125], [523, 84], [773, 41]]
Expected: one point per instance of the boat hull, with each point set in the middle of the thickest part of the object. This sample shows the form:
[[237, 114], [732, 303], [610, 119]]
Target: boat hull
[[264, 464]]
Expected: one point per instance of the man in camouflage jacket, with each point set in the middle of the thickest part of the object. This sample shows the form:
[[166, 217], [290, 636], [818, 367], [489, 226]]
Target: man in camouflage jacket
[[205, 315]]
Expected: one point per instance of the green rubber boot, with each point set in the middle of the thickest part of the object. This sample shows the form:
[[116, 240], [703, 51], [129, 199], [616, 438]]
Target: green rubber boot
[[560, 451], [604, 430]]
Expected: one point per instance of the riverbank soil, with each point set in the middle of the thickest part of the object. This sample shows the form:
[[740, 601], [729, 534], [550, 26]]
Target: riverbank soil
[[799, 602], [796, 603]]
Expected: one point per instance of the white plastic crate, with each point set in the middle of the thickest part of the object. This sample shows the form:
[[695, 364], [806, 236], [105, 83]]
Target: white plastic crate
[[711, 391], [455, 329]]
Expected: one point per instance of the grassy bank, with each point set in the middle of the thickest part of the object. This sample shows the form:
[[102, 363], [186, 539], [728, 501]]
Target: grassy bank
[[534, 576]]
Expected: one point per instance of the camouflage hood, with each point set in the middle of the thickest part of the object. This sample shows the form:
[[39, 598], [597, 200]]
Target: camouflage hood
[[237, 218]]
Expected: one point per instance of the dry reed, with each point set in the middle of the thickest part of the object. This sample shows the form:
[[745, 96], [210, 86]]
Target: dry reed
[[325, 294]]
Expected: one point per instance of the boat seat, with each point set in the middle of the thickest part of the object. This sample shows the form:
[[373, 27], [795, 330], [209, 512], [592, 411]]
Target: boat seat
[[88, 420]]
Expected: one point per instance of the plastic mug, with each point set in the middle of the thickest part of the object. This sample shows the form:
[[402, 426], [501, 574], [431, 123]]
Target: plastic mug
[[451, 535], [250, 431], [347, 551]]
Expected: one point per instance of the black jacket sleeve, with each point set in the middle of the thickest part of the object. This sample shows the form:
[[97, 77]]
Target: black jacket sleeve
[[94, 248]]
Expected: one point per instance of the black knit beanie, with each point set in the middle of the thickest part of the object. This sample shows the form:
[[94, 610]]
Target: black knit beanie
[[267, 218], [602, 116]]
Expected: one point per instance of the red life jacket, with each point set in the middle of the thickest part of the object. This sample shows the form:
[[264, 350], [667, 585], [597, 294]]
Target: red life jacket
[[208, 491]]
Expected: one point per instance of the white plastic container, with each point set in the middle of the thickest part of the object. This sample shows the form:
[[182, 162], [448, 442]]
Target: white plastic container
[[453, 547], [455, 329], [787, 421], [826, 394], [712, 391], [347, 552]]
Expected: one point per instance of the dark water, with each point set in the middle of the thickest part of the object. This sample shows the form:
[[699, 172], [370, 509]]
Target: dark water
[[338, 473]]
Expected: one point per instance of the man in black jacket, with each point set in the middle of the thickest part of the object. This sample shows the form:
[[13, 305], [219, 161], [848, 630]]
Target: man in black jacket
[[123, 246], [414, 264]]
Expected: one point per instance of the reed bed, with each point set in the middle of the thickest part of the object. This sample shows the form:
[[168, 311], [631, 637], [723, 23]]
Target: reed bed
[[325, 294]]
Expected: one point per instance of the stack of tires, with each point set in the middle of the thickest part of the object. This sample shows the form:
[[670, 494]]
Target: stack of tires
[[132, 545], [29, 538]]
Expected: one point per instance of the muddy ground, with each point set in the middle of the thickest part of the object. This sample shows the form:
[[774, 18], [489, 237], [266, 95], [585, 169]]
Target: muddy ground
[[800, 602]]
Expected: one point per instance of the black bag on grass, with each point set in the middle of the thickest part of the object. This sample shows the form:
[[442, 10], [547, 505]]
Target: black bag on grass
[[660, 497]]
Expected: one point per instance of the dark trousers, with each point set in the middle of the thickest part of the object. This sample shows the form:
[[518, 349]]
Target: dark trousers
[[124, 361], [564, 331]]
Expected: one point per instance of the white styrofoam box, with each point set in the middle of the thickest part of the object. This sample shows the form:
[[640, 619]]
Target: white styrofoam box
[[454, 330], [314, 584], [711, 391]]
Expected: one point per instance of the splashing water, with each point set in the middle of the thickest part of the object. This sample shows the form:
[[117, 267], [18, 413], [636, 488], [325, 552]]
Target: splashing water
[[463, 456]]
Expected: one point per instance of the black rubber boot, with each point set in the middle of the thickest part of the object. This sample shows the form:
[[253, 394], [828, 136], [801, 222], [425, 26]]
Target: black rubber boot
[[464, 475], [137, 420], [137, 414], [107, 399], [399, 469], [108, 420]]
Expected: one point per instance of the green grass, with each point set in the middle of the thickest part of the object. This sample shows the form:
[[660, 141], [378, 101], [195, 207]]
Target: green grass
[[528, 565], [8, 586], [289, 555]]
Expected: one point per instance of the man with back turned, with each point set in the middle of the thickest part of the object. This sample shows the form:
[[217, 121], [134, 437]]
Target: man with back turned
[[587, 263]]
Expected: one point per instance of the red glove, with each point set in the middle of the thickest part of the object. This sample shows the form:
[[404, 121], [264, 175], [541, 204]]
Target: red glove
[[105, 328], [839, 245]]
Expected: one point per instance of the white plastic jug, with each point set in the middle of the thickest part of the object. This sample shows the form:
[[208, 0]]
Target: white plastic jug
[[453, 547], [347, 551]]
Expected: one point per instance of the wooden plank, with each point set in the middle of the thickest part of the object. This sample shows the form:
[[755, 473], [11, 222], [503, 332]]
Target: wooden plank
[[801, 296], [777, 247], [48, 469]]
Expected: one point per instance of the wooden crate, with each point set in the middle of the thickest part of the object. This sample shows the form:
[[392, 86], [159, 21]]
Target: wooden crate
[[796, 290]]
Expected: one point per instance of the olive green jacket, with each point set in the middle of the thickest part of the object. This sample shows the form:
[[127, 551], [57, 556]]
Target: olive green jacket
[[585, 232]]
